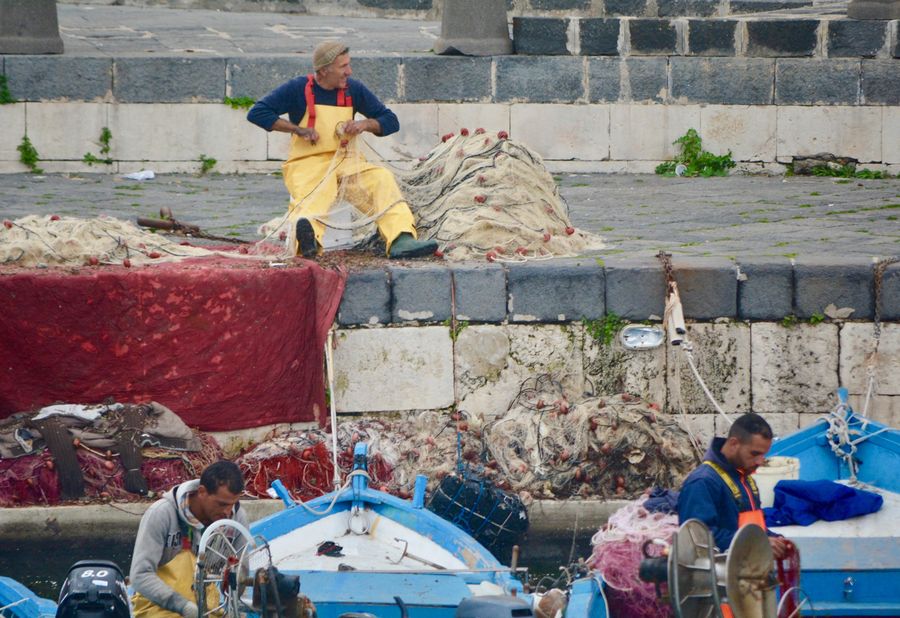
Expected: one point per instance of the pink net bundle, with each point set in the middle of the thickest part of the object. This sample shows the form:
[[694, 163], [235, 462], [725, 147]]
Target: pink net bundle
[[617, 554], [33, 479]]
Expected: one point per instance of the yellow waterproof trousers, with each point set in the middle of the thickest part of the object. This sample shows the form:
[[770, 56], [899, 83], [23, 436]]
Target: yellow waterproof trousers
[[177, 573], [314, 173]]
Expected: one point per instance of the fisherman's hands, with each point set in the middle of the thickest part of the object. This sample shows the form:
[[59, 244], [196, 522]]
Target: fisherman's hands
[[190, 610], [311, 135], [355, 127], [779, 547]]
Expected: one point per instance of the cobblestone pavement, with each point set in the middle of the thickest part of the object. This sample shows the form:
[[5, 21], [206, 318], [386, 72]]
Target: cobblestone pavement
[[638, 215]]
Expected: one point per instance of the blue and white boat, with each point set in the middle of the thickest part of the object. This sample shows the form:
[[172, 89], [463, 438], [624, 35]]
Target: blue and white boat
[[850, 567]]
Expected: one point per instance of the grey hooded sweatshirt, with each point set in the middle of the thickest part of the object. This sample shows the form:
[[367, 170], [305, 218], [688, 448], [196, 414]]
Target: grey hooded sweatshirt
[[159, 540]]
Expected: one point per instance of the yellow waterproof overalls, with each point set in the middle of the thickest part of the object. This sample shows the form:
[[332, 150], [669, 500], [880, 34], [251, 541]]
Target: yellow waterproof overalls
[[312, 174], [177, 573]]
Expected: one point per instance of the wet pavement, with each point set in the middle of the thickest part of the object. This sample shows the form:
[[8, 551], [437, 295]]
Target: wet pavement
[[638, 215]]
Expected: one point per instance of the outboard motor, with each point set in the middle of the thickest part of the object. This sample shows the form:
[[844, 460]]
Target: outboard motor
[[93, 589], [494, 606]]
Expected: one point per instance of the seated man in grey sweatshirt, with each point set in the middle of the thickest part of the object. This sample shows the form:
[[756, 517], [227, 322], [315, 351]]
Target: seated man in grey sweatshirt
[[165, 550]]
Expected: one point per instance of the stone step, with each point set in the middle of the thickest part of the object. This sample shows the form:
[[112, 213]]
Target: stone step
[[759, 36]]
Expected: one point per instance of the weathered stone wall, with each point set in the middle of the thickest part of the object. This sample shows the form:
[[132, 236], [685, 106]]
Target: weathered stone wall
[[394, 344]]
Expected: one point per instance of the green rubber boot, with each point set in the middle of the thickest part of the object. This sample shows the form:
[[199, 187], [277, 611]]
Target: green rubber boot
[[405, 246]]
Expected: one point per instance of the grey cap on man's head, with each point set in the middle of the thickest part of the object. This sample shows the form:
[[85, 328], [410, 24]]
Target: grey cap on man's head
[[326, 52]]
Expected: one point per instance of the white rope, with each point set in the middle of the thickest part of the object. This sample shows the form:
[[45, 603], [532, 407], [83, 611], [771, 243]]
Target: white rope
[[337, 494], [329, 368], [840, 435], [689, 354], [13, 604], [796, 612]]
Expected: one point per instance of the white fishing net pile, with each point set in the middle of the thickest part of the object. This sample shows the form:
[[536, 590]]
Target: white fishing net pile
[[40, 240], [546, 445], [480, 195]]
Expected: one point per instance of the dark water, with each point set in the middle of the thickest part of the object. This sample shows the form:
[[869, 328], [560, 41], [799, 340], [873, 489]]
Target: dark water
[[42, 565]]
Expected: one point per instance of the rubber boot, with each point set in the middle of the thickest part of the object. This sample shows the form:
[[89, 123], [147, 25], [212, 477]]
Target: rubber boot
[[306, 239], [405, 246]]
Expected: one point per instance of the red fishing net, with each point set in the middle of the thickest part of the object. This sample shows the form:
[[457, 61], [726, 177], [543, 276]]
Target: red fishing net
[[32, 479], [789, 582]]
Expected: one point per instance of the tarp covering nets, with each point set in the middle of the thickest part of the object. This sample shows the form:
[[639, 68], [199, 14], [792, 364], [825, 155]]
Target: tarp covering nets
[[479, 194], [108, 451], [544, 446], [227, 342]]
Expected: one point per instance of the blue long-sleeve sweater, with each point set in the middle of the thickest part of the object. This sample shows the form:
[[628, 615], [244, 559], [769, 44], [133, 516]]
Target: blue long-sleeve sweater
[[705, 496], [290, 98]]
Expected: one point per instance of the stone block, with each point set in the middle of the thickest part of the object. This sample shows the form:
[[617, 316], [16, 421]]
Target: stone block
[[749, 132], [628, 79], [842, 131], [738, 7], [421, 294], [256, 77], [366, 299], [727, 81], [29, 27], [635, 8], [777, 39], [55, 136], [711, 37], [794, 369], [599, 36], [12, 119], [278, 145], [703, 427], [652, 36], [635, 288], [782, 423], [169, 80], [560, 5], [857, 341], [540, 80], [682, 8], [855, 39], [707, 286], [820, 282], [873, 9], [184, 132], [646, 132], [890, 293], [388, 369], [579, 131], [562, 290], [492, 117], [417, 136], [816, 82], [604, 80], [480, 292], [473, 28], [891, 136], [447, 79], [722, 356], [882, 408], [494, 362], [881, 82], [610, 369], [765, 289], [543, 36], [54, 78], [380, 74]]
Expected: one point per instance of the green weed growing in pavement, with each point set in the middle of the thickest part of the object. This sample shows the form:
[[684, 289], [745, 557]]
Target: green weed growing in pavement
[[816, 318], [104, 158], [29, 156], [697, 162], [605, 329], [239, 102], [6, 96], [847, 171], [206, 164], [789, 321], [460, 325]]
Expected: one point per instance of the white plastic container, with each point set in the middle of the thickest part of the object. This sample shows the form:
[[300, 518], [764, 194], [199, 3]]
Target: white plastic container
[[775, 469]]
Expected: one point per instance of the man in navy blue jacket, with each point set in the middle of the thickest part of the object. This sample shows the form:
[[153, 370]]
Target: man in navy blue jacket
[[721, 493]]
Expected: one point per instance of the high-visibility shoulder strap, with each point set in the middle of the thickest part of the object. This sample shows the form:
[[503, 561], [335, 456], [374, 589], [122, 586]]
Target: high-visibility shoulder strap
[[728, 480], [310, 101]]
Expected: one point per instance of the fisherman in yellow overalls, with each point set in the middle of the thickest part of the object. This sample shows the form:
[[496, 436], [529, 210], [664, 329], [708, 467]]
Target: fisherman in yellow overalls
[[165, 550], [321, 109]]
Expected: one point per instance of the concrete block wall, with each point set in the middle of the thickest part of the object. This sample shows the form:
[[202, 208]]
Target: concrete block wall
[[514, 321]]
